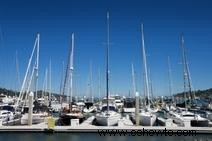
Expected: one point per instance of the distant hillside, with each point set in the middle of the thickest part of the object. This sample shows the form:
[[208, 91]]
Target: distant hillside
[[199, 93], [14, 93], [8, 92]]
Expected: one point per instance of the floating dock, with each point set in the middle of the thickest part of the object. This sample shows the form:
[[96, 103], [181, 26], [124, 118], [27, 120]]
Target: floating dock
[[96, 129], [123, 126]]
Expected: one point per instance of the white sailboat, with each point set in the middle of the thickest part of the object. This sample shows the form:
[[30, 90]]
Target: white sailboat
[[182, 114], [108, 115], [147, 117]]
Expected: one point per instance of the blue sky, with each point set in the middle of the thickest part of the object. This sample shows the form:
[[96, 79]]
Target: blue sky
[[55, 20]]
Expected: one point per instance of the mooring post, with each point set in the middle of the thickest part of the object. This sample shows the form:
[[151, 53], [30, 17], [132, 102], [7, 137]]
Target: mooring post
[[30, 108], [137, 108]]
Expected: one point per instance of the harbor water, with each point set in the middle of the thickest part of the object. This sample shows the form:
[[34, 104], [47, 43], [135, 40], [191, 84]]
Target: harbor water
[[96, 137]]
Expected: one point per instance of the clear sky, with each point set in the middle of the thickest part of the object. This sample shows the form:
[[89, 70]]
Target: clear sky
[[55, 20]]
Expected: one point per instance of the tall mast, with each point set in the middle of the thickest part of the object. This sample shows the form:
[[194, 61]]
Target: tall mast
[[107, 63], [145, 64], [61, 84], [170, 80], [37, 64], [99, 90], [91, 82], [17, 69], [150, 84], [24, 84], [133, 80], [71, 67], [190, 83], [184, 70], [50, 85], [186, 77], [45, 84]]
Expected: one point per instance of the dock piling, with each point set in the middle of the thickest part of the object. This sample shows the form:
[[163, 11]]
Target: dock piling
[[137, 108], [30, 108]]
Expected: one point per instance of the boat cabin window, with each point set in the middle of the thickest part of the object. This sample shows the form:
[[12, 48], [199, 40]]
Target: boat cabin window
[[188, 115], [111, 108], [5, 113]]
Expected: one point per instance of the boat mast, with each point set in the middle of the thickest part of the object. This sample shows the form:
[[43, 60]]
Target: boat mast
[[186, 77], [36, 68], [44, 84], [184, 70], [190, 84], [71, 68], [107, 63], [24, 84], [133, 80], [50, 85], [91, 82], [170, 80], [61, 85], [69, 74], [99, 84], [17, 69], [145, 65]]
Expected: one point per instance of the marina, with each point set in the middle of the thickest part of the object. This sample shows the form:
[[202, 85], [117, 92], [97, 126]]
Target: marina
[[105, 70], [33, 112]]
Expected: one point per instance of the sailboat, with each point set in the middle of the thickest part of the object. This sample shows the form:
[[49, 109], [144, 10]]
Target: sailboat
[[71, 111], [147, 116], [89, 103], [129, 103], [108, 115], [182, 114], [30, 75]]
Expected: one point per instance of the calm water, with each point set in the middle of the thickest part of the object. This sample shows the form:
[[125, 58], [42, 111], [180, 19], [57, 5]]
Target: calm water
[[93, 137]]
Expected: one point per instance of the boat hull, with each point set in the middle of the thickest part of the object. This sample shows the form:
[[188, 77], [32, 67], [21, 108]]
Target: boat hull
[[147, 119], [35, 119], [65, 119], [108, 120]]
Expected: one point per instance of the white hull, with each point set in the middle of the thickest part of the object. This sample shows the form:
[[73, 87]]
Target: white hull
[[147, 119], [6, 116], [195, 120], [36, 118], [109, 119], [129, 110], [56, 107]]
